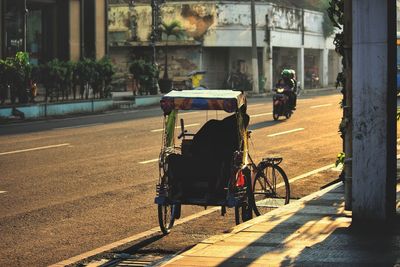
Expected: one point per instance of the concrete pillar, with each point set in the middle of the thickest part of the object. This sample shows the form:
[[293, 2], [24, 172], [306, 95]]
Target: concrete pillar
[[74, 30], [100, 35], [268, 69], [374, 110], [1, 29], [300, 66], [324, 67]]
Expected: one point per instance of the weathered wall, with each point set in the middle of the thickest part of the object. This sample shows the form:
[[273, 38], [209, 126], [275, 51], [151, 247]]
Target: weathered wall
[[181, 60], [210, 26], [213, 23]]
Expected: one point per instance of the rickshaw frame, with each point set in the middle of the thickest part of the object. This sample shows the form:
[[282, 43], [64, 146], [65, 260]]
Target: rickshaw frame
[[250, 187], [237, 196]]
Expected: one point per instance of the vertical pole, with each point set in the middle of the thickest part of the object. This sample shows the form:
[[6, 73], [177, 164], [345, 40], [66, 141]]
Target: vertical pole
[[324, 67], [82, 28], [94, 29], [300, 66], [302, 28], [106, 24], [153, 39], [254, 56], [347, 104], [25, 13], [1, 29], [268, 71], [300, 54]]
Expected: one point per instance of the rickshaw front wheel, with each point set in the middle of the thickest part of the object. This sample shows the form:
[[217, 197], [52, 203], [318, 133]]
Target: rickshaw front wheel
[[166, 217]]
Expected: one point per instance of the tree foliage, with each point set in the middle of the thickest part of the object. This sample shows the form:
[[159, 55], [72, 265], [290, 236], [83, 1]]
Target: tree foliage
[[173, 28]]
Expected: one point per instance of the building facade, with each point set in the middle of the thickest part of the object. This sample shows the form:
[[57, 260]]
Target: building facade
[[218, 40], [48, 29]]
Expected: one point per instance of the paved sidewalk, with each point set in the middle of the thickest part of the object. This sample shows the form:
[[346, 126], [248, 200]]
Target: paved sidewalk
[[313, 231]]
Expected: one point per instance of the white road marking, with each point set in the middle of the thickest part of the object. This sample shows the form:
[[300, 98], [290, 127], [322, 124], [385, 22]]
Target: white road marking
[[189, 113], [33, 149], [327, 167], [79, 126], [148, 161], [305, 100], [177, 127], [2, 192], [156, 230], [261, 114], [320, 106], [286, 132], [256, 105]]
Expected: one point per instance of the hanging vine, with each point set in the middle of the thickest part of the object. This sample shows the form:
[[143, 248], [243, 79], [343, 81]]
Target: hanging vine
[[335, 12]]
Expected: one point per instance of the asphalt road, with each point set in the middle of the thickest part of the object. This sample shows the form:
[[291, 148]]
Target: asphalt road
[[71, 185]]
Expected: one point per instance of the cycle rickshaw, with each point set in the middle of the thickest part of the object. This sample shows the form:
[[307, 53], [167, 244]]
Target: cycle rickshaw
[[213, 167]]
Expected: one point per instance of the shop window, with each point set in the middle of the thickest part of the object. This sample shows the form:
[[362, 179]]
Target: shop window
[[34, 36]]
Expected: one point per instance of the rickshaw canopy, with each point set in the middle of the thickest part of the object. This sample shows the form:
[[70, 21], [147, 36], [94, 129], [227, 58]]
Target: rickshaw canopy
[[227, 100]]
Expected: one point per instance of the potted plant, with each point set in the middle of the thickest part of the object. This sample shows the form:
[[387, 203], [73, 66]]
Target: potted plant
[[173, 28]]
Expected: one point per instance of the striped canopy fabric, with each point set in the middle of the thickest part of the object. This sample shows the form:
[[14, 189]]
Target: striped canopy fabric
[[227, 100]]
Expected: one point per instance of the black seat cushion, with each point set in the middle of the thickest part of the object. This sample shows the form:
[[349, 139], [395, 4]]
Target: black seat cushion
[[210, 163]]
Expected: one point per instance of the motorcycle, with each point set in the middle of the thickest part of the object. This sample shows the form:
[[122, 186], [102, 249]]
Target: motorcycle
[[281, 103]]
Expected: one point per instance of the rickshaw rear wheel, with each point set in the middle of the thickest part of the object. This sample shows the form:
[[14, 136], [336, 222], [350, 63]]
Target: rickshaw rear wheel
[[166, 217], [271, 189], [245, 211]]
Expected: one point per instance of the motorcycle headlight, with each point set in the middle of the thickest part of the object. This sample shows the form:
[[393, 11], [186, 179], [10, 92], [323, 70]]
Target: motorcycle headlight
[[280, 90]]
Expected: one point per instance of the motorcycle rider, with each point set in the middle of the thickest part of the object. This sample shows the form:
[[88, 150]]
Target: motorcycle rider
[[288, 82]]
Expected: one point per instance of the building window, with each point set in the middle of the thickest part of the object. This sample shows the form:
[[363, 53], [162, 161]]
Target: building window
[[13, 27]]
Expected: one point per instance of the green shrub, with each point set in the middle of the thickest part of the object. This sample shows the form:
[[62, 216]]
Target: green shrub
[[145, 72], [15, 74]]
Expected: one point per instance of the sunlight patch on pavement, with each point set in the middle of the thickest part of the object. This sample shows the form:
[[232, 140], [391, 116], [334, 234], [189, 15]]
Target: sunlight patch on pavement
[[261, 114], [33, 149], [177, 127], [321, 106], [286, 132]]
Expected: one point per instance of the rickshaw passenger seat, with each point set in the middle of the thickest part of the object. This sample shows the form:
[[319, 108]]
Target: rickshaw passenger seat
[[211, 154]]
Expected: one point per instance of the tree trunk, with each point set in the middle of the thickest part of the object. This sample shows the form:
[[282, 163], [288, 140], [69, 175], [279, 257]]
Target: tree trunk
[[165, 77]]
